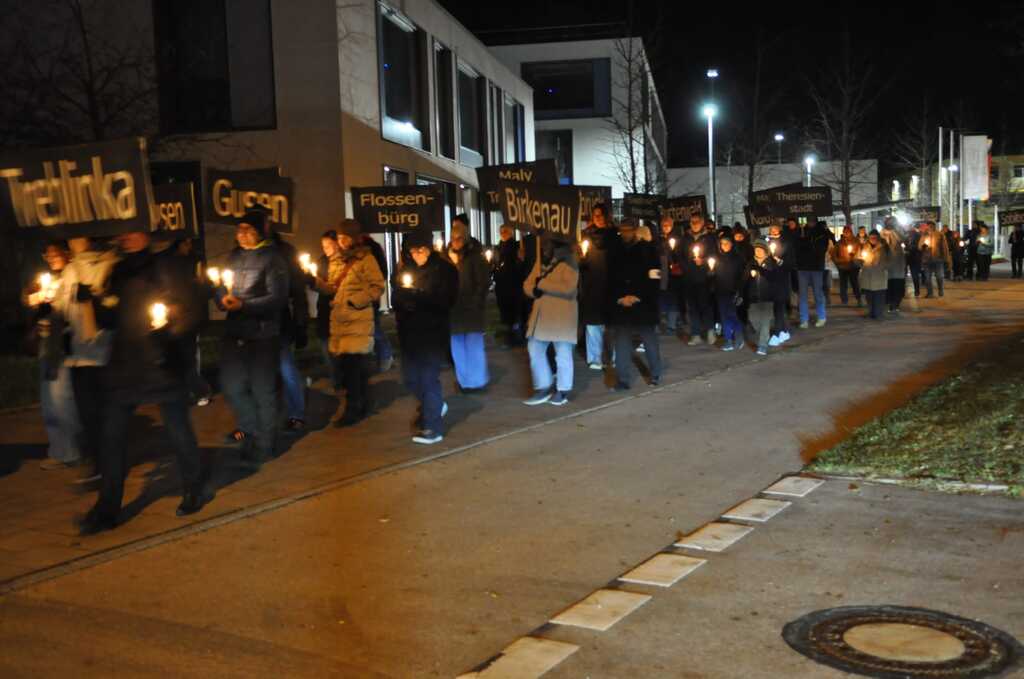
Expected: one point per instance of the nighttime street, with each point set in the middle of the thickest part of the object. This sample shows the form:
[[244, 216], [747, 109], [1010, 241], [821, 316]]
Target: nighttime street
[[440, 338]]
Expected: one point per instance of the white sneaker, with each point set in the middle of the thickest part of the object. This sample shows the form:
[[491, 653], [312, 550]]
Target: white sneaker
[[784, 337], [641, 349], [774, 341], [538, 398], [595, 366], [820, 323], [427, 437]]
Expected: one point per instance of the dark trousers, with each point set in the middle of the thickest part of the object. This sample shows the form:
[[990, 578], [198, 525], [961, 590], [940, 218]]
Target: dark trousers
[[984, 265], [779, 309], [355, 376], [972, 260], [915, 276], [849, 278], [114, 456], [698, 308], [624, 335], [731, 326], [895, 292], [876, 303], [85, 383], [937, 269], [248, 376], [421, 373], [1017, 262], [198, 387]]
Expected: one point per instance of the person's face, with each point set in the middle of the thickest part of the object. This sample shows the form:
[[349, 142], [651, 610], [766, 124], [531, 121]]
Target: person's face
[[873, 239], [457, 241], [346, 242], [739, 236], [135, 241], [185, 247], [628, 235], [55, 258], [760, 254], [248, 238], [329, 246], [506, 234], [667, 225], [696, 223], [725, 244], [597, 217], [791, 224], [420, 255], [775, 231], [847, 232]]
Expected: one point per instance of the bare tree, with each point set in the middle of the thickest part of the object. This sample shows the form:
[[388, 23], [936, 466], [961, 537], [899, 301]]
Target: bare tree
[[637, 165], [914, 146]]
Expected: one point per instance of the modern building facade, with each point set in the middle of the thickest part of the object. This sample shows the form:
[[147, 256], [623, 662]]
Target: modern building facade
[[597, 111]]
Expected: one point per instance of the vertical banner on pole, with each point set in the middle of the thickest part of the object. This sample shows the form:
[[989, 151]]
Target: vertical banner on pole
[[974, 166]]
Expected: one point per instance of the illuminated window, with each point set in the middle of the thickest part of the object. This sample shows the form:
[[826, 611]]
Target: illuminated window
[[402, 77], [472, 128]]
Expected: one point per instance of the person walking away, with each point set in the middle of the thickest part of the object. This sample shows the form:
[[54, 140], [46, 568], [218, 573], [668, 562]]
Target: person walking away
[[762, 285], [896, 261], [727, 276], [844, 256], [554, 286], [508, 285], [671, 274], [779, 248], [250, 353], [984, 250], [599, 240], [294, 331], [953, 245], [935, 257], [812, 244], [971, 248], [360, 284], [146, 367], [325, 284], [873, 259], [425, 287], [915, 258], [382, 350], [633, 286], [468, 316], [1017, 250], [181, 254], [698, 244]]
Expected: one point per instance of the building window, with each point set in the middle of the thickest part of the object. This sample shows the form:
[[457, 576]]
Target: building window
[[993, 173], [472, 106], [570, 89], [1018, 171], [402, 78], [393, 177], [513, 124], [215, 65], [450, 204], [496, 149], [444, 76], [557, 144]]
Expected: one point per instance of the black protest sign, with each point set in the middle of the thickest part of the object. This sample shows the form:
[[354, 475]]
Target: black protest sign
[[646, 206], [230, 194], [552, 211], [589, 197], [490, 176], [1012, 216], [924, 214], [98, 189], [397, 209], [681, 208], [757, 219], [793, 201], [176, 211]]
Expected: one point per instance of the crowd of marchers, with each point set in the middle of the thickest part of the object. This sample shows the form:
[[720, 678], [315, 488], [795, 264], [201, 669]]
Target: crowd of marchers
[[115, 325]]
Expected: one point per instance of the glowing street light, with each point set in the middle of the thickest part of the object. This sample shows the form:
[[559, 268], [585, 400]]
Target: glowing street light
[[809, 163], [779, 138], [710, 111]]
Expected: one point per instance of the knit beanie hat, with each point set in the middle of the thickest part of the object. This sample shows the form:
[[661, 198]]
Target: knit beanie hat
[[257, 219], [420, 238], [763, 244], [350, 228]]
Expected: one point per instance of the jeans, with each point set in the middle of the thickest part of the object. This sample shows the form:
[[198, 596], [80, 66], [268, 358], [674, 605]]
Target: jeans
[[114, 457], [355, 375], [60, 416], [595, 344], [814, 280], [85, 380], [624, 351], [540, 366], [668, 304], [248, 375], [895, 292], [849, 278], [698, 307], [937, 269], [293, 384], [761, 315], [421, 374], [470, 360], [381, 343], [727, 312], [876, 303]]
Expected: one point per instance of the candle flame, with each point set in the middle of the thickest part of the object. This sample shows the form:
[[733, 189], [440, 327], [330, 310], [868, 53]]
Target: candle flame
[[228, 276], [585, 246], [313, 268], [696, 251], [772, 246], [489, 254], [439, 245], [672, 243], [711, 263], [407, 280], [158, 315], [304, 261], [213, 273]]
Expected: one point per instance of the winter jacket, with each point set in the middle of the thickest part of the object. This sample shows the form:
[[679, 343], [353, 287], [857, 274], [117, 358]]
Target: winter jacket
[[630, 269], [896, 256], [727, 276], [378, 254], [594, 267], [507, 273], [468, 314], [261, 282], [555, 288], [763, 281], [984, 244], [934, 248], [875, 262], [147, 366], [326, 286], [360, 284], [90, 345], [788, 246], [708, 244], [913, 249], [422, 311], [295, 313], [672, 261], [844, 254], [1016, 243], [811, 247]]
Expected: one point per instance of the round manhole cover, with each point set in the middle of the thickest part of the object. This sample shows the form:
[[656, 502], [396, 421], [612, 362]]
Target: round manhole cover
[[890, 642]]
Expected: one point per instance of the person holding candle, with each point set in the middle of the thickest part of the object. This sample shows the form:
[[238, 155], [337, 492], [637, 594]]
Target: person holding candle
[[360, 284], [151, 309], [762, 278], [251, 349], [983, 251], [508, 285], [325, 284], [468, 316], [781, 251], [728, 279], [425, 288], [634, 274], [812, 242], [671, 274], [601, 240], [697, 244], [935, 257], [844, 257], [896, 259], [553, 284], [873, 258]]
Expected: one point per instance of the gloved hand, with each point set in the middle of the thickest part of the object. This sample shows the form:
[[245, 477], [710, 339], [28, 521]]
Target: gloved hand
[[301, 336]]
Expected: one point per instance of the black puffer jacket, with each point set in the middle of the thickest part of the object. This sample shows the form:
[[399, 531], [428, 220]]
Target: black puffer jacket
[[261, 282], [766, 284], [812, 247], [422, 312], [147, 366], [730, 267], [630, 267], [508, 274], [708, 243], [594, 274]]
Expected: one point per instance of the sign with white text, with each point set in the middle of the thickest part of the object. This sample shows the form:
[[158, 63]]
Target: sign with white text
[[551, 211], [931, 213], [490, 176], [398, 209], [176, 211], [681, 208], [645, 206], [231, 193], [793, 201], [1012, 216]]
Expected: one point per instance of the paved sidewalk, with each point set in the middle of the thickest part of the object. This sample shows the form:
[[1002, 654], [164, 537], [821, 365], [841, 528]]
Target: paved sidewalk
[[37, 509]]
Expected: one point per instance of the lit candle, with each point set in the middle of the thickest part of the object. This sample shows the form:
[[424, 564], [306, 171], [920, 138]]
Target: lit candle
[[45, 281], [672, 243], [927, 242], [753, 273], [158, 315], [696, 251], [228, 276], [773, 246], [213, 273], [849, 248], [439, 245], [304, 261], [711, 263], [585, 247], [407, 280], [489, 254], [313, 268], [864, 253], [961, 243]]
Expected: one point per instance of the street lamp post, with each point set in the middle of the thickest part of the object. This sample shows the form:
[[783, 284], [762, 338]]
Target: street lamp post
[[778, 142], [809, 163], [710, 110]]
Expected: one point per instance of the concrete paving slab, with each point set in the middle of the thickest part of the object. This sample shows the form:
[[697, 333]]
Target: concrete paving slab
[[794, 486], [526, 658], [601, 610], [715, 537], [663, 570], [757, 510]]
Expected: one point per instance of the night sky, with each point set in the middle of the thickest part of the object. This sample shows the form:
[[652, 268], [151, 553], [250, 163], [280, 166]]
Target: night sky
[[966, 59]]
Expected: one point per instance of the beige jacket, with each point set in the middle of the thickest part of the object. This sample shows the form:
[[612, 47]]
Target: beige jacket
[[361, 284]]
